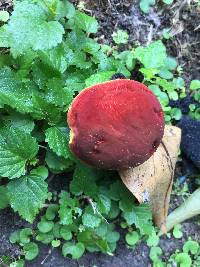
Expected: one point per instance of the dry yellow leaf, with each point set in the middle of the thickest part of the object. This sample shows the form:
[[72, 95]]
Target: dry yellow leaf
[[152, 181]]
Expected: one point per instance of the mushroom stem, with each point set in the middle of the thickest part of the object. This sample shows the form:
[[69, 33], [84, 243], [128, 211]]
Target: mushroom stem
[[152, 181]]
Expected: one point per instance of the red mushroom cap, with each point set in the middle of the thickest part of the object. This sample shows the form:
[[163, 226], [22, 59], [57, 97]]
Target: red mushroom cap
[[116, 124]]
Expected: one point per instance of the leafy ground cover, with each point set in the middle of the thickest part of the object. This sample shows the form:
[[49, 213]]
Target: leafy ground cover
[[50, 53]]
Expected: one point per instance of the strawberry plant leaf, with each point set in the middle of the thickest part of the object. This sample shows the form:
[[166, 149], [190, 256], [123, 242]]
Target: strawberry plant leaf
[[85, 22], [19, 121], [84, 181], [29, 28], [43, 110], [14, 92], [146, 55], [58, 139], [56, 163], [28, 193], [57, 94], [17, 148], [58, 58]]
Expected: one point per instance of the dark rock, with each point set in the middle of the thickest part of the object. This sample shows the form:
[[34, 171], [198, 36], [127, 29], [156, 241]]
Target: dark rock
[[190, 142]]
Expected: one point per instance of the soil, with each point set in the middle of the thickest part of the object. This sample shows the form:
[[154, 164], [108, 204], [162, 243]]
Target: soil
[[183, 20]]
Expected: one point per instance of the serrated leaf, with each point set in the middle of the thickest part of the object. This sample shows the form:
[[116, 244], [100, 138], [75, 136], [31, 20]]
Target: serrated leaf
[[14, 92], [43, 110], [16, 149], [58, 140], [91, 220], [29, 28], [56, 163], [152, 56], [103, 204], [58, 58], [139, 216], [99, 77], [28, 193], [85, 22], [19, 121], [120, 37], [57, 94], [4, 199], [84, 181]]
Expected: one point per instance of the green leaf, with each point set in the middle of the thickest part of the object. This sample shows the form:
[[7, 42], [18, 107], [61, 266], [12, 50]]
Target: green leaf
[[18, 263], [65, 233], [176, 113], [14, 92], [4, 37], [155, 252], [132, 238], [195, 84], [152, 56], [99, 77], [170, 63], [67, 208], [55, 243], [168, 2], [176, 231], [59, 58], [28, 193], [45, 226], [43, 110], [103, 204], [29, 28], [19, 121], [146, 4], [4, 199], [120, 37], [153, 239], [85, 22], [51, 212], [15, 237], [75, 250], [84, 181], [183, 259], [31, 251], [165, 74], [45, 238], [91, 220], [56, 163], [25, 235], [17, 148], [58, 140], [4, 16], [140, 216], [57, 94], [191, 246]]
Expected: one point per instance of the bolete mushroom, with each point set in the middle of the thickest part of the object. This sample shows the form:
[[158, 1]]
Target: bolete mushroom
[[119, 125], [115, 125]]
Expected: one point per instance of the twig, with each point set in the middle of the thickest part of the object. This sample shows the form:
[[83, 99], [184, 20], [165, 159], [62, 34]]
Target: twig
[[49, 253]]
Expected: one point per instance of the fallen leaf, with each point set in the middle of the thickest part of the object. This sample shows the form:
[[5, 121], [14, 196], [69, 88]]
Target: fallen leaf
[[152, 181]]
